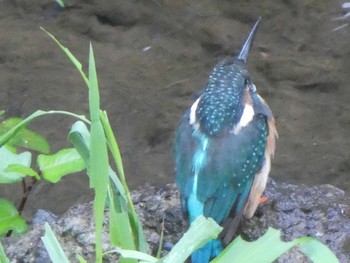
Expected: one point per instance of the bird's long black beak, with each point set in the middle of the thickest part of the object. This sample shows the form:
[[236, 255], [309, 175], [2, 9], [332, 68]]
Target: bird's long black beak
[[243, 55]]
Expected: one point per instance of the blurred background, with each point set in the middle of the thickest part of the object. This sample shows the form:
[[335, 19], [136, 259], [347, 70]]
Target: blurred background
[[153, 56]]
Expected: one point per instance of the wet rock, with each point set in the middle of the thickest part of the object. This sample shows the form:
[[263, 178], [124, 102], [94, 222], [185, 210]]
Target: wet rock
[[297, 210]]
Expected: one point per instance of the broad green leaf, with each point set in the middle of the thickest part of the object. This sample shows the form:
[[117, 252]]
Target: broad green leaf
[[260, 250], [55, 166], [25, 138], [3, 257], [21, 125], [52, 246], [8, 158], [18, 168], [200, 232], [10, 219]]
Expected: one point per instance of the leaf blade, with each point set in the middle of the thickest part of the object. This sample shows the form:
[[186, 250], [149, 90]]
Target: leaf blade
[[53, 247], [59, 164], [10, 219]]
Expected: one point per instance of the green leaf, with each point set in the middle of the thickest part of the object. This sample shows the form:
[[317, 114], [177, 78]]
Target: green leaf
[[200, 232], [260, 250], [8, 158], [98, 171], [81, 259], [317, 252], [72, 58], [25, 138], [3, 257], [52, 246], [55, 166], [18, 168], [119, 225], [60, 2], [79, 135], [120, 182], [10, 219], [21, 125], [126, 253]]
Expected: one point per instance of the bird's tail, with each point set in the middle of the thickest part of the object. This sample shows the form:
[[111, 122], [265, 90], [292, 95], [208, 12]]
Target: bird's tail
[[207, 252]]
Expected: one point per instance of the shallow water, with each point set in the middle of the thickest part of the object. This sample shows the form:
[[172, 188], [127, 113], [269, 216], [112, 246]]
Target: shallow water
[[153, 56]]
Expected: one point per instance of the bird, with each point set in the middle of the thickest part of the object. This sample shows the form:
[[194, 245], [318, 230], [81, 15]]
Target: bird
[[223, 149]]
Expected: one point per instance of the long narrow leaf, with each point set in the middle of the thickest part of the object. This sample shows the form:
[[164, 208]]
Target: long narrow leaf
[[318, 252], [52, 246], [98, 167], [98, 171], [69, 54], [143, 257], [3, 257], [134, 220], [60, 2], [81, 259]]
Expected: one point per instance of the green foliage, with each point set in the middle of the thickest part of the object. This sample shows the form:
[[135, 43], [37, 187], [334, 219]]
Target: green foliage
[[200, 232], [54, 167], [60, 2], [123, 197], [25, 138], [52, 246], [8, 159], [10, 220], [260, 250], [3, 258], [91, 151]]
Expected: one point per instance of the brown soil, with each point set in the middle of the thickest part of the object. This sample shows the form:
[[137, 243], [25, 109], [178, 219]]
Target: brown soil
[[153, 56]]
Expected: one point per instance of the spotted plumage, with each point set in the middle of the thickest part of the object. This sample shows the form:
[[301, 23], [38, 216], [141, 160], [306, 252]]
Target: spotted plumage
[[223, 149]]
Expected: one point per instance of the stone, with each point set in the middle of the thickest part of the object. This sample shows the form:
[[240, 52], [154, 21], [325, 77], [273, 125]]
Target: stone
[[297, 210]]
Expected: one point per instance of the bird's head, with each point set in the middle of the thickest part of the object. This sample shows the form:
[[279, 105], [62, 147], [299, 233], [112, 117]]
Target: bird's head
[[229, 100]]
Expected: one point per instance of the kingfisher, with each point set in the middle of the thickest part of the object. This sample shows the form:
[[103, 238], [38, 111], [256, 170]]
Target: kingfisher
[[223, 149]]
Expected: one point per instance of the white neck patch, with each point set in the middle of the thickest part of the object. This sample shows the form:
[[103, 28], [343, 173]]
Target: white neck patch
[[193, 112], [247, 116]]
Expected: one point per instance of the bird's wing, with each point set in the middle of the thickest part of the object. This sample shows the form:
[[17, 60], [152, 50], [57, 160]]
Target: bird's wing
[[233, 160], [226, 175], [185, 146]]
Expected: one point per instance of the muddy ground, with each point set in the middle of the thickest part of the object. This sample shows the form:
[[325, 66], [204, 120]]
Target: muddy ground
[[153, 56]]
